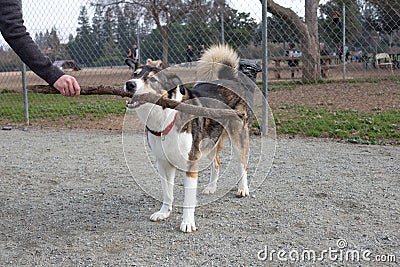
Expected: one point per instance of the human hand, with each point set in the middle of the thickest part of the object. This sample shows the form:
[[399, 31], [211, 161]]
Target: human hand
[[68, 86]]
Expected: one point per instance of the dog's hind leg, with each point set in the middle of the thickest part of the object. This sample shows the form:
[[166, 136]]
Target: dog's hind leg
[[243, 188], [240, 151], [215, 166], [167, 175]]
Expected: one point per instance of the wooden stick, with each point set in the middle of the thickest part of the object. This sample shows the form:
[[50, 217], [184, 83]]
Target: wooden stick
[[213, 113], [85, 90]]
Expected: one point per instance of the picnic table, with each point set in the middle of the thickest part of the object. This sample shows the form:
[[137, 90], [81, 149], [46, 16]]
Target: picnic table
[[327, 62], [381, 60]]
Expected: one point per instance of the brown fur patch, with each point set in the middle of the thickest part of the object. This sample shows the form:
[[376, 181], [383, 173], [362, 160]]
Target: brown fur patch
[[193, 175], [164, 94], [193, 166], [220, 146]]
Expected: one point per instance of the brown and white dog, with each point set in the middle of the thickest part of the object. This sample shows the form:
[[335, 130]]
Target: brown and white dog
[[175, 138], [154, 63]]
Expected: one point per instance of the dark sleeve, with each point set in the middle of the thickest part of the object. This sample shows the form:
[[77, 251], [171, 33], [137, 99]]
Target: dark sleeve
[[15, 34]]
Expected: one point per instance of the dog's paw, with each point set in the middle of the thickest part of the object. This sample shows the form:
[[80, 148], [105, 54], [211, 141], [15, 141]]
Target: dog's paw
[[243, 191], [188, 226], [210, 189], [159, 216]]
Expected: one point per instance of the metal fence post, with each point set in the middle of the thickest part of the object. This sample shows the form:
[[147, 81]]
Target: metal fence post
[[264, 123], [344, 42], [25, 93], [222, 28], [138, 40]]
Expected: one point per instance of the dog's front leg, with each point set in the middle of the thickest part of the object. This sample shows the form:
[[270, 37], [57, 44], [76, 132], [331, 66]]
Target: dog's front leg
[[167, 176], [188, 224], [190, 183]]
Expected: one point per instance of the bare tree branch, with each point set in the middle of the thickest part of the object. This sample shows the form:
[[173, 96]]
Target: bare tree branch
[[306, 31], [85, 90], [213, 113], [288, 15]]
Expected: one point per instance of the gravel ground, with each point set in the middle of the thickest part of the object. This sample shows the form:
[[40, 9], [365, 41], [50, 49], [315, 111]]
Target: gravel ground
[[68, 199]]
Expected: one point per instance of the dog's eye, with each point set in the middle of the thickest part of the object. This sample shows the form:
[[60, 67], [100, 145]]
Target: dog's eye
[[182, 90]]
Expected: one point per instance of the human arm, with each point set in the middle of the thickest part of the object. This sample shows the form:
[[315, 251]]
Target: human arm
[[15, 34], [129, 53], [67, 85]]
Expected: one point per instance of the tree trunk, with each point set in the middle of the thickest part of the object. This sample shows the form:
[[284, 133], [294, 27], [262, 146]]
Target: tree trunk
[[310, 42], [164, 30], [306, 31]]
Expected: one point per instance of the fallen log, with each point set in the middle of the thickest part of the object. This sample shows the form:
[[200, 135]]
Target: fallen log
[[214, 113]]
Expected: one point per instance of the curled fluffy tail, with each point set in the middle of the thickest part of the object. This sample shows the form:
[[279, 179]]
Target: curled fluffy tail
[[218, 62]]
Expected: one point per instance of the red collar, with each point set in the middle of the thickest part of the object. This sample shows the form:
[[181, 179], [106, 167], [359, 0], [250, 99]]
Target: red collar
[[166, 130]]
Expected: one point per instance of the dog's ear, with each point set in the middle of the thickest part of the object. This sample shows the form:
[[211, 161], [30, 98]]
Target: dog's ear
[[182, 89], [185, 92]]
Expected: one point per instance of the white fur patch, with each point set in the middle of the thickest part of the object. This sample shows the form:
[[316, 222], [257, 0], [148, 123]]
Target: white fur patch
[[177, 94], [188, 224]]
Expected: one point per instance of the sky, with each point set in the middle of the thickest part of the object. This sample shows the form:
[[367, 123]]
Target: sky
[[42, 15]]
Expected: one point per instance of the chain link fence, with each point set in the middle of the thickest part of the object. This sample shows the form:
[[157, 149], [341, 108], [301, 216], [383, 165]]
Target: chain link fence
[[343, 39]]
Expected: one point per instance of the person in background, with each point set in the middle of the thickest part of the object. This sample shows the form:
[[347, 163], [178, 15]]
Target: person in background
[[340, 51], [201, 51], [132, 57], [135, 54], [346, 52], [190, 56], [14, 32], [129, 59], [292, 62]]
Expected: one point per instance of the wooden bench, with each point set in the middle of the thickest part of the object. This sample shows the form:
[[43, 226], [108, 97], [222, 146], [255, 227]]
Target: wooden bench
[[383, 60], [327, 63]]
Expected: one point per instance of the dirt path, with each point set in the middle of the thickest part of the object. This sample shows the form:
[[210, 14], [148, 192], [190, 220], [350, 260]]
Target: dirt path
[[361, 96], [67, 199]]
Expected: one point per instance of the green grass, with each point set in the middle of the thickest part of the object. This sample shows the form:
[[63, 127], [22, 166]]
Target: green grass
[[354, 127], [379, 127], [56, 107]]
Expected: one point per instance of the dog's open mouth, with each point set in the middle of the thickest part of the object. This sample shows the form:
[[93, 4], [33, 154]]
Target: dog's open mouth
[[131, 104]]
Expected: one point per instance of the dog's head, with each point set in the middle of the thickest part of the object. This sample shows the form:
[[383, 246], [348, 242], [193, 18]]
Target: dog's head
[[150, 79], [141, 80]]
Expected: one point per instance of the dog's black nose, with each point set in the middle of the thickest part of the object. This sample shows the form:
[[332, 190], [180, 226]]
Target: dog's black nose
[[130, 87]]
